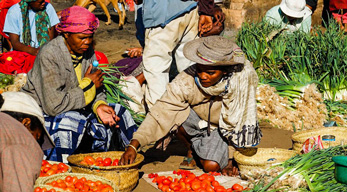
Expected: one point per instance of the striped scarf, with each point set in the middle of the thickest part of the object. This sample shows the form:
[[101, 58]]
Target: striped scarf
[[42, 24]]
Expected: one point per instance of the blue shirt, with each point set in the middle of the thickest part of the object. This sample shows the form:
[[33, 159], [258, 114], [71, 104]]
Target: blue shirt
[[161, 12], [276, 16], [14, 23]]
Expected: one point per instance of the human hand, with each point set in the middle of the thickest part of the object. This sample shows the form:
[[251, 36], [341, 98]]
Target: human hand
[[33, 51], [107, 115], [216, 30], [129, 155], [96, 77], [135, 52], [219, 15], [205, 23]]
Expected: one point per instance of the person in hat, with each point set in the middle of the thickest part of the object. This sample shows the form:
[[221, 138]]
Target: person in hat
[[22, 139], [212, 104], [73, 98], [30, 24], [291, 14]]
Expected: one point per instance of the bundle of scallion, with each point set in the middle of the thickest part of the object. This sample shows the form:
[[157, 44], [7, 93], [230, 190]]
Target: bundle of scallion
[[316, 167], [114, 93]]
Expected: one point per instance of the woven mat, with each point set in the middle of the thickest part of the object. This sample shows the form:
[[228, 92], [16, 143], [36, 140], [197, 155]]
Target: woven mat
[[225, 181]]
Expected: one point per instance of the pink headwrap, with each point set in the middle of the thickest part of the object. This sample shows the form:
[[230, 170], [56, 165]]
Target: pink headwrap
[[77, 19]]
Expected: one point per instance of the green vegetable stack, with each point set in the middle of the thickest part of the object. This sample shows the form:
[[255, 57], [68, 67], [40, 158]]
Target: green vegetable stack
[[5, 80]]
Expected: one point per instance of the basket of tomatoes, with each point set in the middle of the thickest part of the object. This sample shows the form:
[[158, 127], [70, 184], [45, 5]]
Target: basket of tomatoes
[[77, 182], [49, 168], [106, 164]]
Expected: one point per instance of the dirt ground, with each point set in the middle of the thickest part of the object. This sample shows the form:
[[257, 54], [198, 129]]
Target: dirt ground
[[113, 42]]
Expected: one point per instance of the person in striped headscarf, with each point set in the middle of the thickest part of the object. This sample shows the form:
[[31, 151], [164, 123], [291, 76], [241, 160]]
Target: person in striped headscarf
[[30, 24]]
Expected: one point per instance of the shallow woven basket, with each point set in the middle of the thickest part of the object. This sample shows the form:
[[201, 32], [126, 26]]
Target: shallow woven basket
[[49, 187], [260, 158], [124, 176], [340, 134], [94, 178]]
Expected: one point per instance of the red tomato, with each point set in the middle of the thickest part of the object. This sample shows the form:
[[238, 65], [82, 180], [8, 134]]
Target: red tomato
[[166, 181], [237, 187], [99, 159], [116, 162], [89, 159], [229, 190], [165, 188], [68, 178], [215, 183], [160, 179], [107, 161], [79, 185], [220, 189], [196, 185], [209, 189], [37, 189], [210, 178], [203, 177], [50, 172], [44, 162]]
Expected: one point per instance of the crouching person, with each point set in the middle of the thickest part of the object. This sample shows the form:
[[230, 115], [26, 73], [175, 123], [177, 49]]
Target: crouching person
[[73, 98], [212, 103], [22, 139]]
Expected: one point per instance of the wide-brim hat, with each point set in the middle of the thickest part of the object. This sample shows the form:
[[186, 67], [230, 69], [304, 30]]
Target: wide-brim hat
[[293, 8], [214, 50], [24, 103]]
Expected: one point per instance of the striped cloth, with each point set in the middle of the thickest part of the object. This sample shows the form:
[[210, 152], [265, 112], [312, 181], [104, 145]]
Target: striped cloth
[[67, 130]]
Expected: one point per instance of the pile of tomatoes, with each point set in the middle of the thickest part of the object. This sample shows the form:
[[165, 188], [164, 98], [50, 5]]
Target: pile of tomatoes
[[43, 189], [190, 182], [48, 169], [99, 161], [72, 183]]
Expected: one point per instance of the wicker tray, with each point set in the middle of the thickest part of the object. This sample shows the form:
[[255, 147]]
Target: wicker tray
[[124, 176], [260, 158], [51, 178], [340, 134]]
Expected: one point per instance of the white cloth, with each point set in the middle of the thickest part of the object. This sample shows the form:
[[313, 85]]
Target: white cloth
[[161, 44]]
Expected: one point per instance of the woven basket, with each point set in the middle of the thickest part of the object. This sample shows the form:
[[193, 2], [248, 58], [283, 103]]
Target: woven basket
[[124, 176], [260, 158], [49, 187], [340, 134], [94, 178]]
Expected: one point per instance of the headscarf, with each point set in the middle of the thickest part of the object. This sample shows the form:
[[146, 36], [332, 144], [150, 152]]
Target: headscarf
[[42, 24], [77, 19], [238, 117]]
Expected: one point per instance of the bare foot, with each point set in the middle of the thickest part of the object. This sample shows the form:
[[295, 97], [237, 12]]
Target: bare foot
[[230, 169]]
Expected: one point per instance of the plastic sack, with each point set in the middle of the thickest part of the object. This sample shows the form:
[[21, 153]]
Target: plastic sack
[[311, 143]]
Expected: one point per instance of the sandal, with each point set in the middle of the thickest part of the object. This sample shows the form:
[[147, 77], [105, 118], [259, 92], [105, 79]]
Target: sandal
[[188, 163]]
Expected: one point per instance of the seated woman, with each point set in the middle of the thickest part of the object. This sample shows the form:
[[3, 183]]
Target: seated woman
[[211, 103], [72, 98], [30, 24]]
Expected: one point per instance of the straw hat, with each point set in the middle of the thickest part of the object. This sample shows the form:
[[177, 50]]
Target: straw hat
[[293, 8], [214, 50], [23, 103]]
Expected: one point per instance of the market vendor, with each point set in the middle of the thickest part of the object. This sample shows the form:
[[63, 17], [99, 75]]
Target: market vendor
[[291, 14], [30, 24], [72, 98], [22, 139], [212, 104]]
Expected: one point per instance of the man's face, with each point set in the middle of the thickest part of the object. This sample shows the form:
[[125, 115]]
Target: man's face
[[78, 43], [38, 5], [209, 75]]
